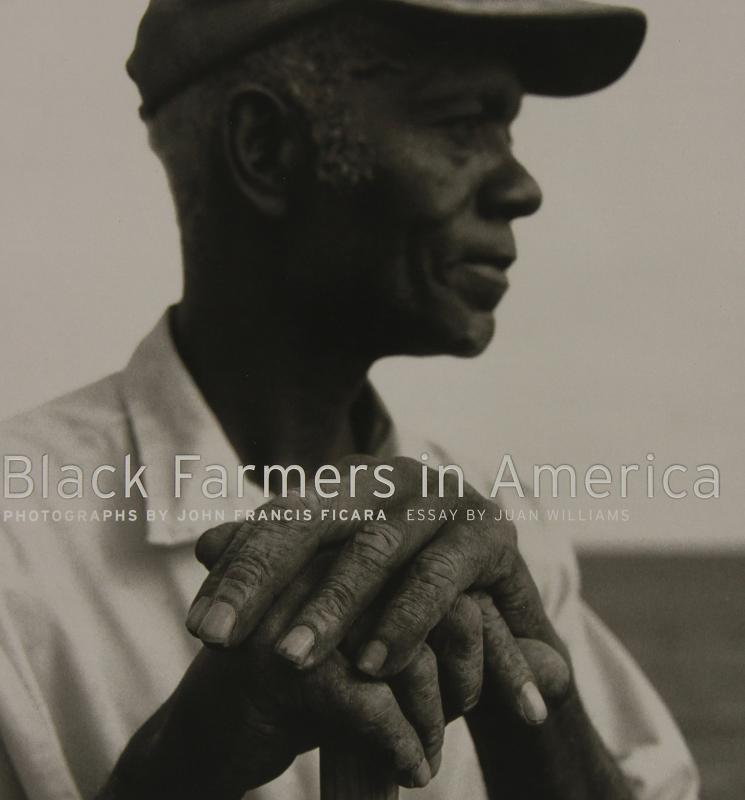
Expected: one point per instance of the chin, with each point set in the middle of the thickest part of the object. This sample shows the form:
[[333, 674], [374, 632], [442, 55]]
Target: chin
[[445, 338], [472, 336], [468, 349]]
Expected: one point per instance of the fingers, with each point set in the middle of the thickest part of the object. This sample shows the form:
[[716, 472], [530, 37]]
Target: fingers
[[417, 690], [515, 594], [507, 670], [457, 559], [552, 673], [366, 563], [257, 563], [213, 543], [457, 642], [352, 704], [336, 700], [251, 563]]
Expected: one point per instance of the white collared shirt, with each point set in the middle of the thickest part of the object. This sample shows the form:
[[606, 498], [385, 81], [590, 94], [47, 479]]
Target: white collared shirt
[[92, 607]]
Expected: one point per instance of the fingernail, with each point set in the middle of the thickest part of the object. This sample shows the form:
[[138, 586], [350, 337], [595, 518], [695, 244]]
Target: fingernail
[[197, 613], [435, 763], [421, 776], [298, 643], [373, 657], [531, 705], [218, 624]]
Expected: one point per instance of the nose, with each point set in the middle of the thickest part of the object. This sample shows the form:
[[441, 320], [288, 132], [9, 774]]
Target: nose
[[509, 191]]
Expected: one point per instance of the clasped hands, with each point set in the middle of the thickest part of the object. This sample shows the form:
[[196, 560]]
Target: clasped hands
[[381, 630]]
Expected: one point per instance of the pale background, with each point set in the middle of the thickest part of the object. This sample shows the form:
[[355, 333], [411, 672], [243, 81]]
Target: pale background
[[623, 331]]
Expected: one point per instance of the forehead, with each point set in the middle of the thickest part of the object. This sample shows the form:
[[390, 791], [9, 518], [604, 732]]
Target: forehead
[[432, 80], [469, 73]]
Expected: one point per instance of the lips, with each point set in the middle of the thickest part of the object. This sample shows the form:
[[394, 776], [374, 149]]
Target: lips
[[482, 285]]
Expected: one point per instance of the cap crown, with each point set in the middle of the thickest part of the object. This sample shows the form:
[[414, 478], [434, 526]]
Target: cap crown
[[562, 47]]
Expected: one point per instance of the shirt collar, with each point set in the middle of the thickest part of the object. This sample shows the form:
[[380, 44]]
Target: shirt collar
[[169, 417]]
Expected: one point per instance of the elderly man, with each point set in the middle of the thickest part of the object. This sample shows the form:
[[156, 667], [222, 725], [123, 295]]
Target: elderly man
[[344, 183]]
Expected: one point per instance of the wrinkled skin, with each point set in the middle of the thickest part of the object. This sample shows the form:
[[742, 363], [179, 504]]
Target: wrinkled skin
[[392, 261], [283, 712], [261, 712], [348, 603], [412, 261]]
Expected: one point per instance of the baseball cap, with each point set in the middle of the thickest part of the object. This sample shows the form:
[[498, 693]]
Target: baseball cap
[[559, 47]]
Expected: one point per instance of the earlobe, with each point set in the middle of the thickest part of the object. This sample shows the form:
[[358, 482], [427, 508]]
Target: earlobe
[[262, 148]]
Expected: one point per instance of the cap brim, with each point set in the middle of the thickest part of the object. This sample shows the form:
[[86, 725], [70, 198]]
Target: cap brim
[[561, 48]]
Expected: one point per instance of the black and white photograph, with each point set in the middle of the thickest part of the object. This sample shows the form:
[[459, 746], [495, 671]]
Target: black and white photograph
[[371, 413]]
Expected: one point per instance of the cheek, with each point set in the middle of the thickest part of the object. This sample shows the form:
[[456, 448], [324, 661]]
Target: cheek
[[426, 186]]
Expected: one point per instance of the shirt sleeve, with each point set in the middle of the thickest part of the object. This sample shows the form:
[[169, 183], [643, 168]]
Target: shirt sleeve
[[627, 712]]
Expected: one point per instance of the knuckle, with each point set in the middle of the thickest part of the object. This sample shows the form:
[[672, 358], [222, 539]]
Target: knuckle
[[497, 635], [515, 667], [466, 614], [460, 634], [502, 551], [252, 565], [423, 669], [290, 510], [379, 542], [482, 600], [465, 645], [376, 711], [433, 738], [233, 589], [427, 595], [517, 603], [471, 697], [463, 676], [406, 619], [332, 602], [435, 570], [472, 651]]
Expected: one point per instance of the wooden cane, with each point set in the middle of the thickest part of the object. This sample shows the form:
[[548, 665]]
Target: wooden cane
[[348, 775]]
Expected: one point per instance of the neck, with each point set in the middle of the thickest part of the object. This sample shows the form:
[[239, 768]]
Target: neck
[[281, 395]]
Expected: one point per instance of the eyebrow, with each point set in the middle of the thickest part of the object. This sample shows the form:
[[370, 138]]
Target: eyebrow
[[435, 91]]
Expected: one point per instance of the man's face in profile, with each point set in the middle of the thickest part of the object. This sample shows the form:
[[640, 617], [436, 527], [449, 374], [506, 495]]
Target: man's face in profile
[[418, 251]]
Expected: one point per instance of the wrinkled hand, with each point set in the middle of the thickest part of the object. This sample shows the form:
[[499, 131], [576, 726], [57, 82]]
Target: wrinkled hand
[[251, 712], [423, 565], [261, 712]]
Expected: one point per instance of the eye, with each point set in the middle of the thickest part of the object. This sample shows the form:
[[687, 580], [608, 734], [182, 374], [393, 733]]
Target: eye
[[464, 129], [466, 122], [477, 130]]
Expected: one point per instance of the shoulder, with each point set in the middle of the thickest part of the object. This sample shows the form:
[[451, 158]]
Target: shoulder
[[83, 419], [53, 585], [84, 429]]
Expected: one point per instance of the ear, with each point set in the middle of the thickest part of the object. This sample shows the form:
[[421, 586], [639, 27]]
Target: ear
[[263, 147]]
